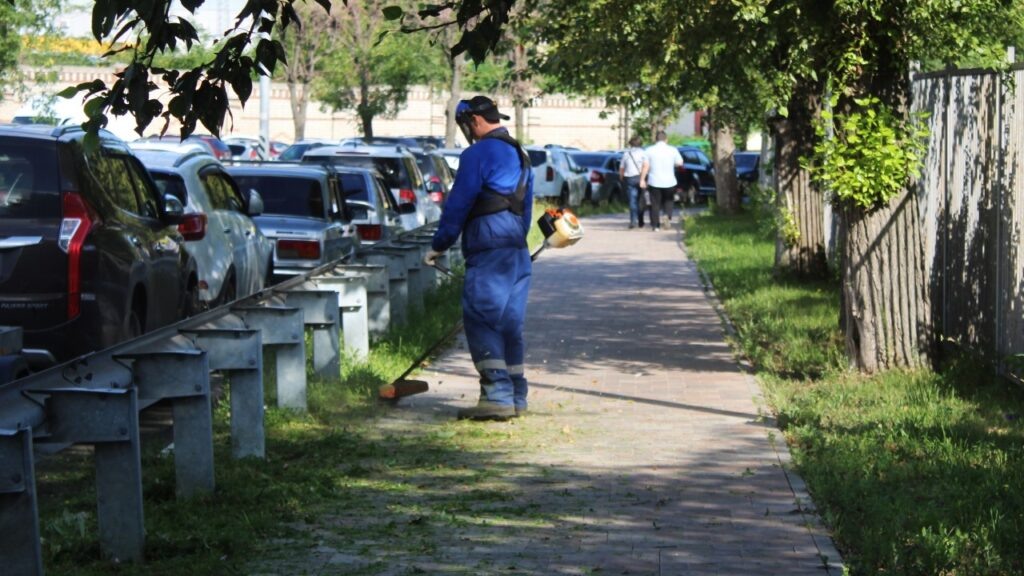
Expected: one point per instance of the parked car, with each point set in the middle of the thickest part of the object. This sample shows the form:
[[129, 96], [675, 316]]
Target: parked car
[[696, 177], [605, 182], [398, 167], [407, 141], [369, 204], [748, 165], [233, 258], [451, 157], [248, 148], [294, 152], [557, 177], [245, 148], [214, 145], [303, 214], [435, 172], [92, 253]]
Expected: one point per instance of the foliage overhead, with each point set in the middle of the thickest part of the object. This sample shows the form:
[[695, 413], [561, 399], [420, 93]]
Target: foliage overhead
[[369, 70], [19, 19]]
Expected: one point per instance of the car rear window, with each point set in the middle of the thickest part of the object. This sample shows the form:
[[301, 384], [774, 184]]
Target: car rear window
[[389, 168], [594, 160], [745, 160], [29, 176], [285, 195], [537, 157], [353, 186]]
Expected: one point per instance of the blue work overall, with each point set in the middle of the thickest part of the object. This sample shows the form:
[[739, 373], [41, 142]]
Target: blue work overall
[[498, 265]]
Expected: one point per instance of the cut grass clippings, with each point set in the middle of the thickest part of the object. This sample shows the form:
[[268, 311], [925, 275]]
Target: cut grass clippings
[[915, 472]]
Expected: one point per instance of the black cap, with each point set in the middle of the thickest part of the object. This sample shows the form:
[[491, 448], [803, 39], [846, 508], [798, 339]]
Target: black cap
[[486, 107]]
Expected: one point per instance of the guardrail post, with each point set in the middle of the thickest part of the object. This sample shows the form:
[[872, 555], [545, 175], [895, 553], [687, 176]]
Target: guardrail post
[[351, 289], [320, 311], [20, 552], [429, 276], [283, 330], [378, 306], [183, 376], [398, 283], [240, 354], [414, 286], [109, 419]]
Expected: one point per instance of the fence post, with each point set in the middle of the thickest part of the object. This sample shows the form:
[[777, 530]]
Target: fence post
[[320, 311], [378, 306], [20, 551], [183, 376], [240, 354], [351, 289], [398, 283], [109, 420], [282, 330]]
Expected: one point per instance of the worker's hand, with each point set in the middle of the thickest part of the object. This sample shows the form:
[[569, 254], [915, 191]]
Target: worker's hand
[[431, 258], [643, 184]]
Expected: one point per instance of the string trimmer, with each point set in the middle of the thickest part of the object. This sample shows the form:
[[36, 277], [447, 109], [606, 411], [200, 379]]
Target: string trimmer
[[560, 228]]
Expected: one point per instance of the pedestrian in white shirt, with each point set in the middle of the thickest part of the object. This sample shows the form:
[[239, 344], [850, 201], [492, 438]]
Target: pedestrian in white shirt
[[632, 167], [661, 177]]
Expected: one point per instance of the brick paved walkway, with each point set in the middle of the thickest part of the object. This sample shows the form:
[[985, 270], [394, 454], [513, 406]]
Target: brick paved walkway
[[672, 468]]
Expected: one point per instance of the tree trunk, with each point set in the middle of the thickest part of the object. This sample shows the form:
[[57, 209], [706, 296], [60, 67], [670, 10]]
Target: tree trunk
[[363, 109], [727, 189], [454, 95], [885, 298], [800, 242], [298, 95], [520, 89]]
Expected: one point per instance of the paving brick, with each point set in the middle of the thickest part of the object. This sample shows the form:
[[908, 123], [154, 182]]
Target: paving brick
[[666, 467]]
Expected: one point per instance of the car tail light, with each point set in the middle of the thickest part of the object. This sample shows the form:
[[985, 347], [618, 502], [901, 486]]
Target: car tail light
[[596, 177], [370, 231], [437, 197], [73, 229], [193, 227], [298, 249], [550, 174], [406, 196]]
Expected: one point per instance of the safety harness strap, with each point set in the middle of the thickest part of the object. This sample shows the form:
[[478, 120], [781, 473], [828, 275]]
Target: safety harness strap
[[490, 201]]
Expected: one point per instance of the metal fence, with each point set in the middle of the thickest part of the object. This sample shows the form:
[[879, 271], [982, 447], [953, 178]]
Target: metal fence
[[96, 399], [973, 203]]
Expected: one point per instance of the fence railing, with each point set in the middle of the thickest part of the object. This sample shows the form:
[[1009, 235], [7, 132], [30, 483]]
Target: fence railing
[[96, 399], [973, 202]]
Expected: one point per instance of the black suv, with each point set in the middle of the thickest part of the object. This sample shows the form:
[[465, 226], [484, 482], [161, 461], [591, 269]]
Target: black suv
[[90, 253]]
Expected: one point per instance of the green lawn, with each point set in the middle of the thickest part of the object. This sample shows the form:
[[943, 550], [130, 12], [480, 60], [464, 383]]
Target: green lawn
[[916, 473]]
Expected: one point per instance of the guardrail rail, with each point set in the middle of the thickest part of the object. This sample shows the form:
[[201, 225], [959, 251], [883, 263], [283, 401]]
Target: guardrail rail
[[96, 399]]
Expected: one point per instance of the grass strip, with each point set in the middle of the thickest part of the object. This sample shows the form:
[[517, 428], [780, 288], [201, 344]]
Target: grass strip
[[323, 456], [915, 472]]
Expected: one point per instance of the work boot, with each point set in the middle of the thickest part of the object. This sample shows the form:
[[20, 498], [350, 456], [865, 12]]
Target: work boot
[[487, 410], [522, 411]]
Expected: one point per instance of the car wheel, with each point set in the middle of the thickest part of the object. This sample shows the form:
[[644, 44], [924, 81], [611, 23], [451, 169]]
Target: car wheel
[[133, 327], [229, 292], [563, 198], [193, 305], [269, 280]]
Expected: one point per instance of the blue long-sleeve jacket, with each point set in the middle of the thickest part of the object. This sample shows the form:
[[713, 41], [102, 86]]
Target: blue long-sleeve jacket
[[494, 164]]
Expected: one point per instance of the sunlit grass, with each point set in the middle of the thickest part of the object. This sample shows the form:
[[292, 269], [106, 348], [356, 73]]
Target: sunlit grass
[[916, 472]]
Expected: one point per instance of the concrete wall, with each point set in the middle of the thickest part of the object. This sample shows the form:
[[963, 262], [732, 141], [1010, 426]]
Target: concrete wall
[[554, 118]]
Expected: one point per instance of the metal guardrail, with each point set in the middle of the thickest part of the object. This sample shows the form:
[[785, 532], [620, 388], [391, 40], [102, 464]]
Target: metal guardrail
[[96, 399]]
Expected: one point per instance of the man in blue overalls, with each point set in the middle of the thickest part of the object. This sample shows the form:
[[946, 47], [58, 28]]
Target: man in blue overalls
[[490, 205]]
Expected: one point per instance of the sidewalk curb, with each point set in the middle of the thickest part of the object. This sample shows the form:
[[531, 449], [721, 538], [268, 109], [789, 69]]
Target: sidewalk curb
[[832, 561]]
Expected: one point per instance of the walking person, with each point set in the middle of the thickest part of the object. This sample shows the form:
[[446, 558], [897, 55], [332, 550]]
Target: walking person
[[490, 206], [632, 168], [661, 177]]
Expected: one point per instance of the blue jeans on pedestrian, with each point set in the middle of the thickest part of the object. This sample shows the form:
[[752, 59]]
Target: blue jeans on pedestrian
[[632, 193]]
